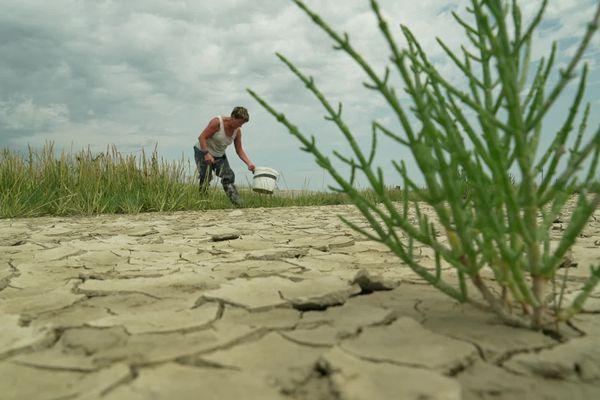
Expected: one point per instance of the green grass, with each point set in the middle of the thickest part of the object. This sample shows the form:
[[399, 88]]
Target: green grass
[[47, 182]]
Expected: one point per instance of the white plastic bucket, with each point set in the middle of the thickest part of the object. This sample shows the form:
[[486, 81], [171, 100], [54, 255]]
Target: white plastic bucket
[[264, 180]]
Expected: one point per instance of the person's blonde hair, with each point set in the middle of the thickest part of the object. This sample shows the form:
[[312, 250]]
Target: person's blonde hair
[[240, 113]]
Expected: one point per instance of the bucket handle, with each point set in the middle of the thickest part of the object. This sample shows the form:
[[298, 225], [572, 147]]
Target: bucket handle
[[266, 176]]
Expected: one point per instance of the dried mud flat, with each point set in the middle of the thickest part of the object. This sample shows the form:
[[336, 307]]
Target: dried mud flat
[[284, 303]]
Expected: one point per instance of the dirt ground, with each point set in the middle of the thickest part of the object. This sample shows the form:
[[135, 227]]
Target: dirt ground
[[284, 303]]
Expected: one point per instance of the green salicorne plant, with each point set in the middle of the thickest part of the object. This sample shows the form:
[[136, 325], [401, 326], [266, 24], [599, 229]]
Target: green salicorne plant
[[465, 140]]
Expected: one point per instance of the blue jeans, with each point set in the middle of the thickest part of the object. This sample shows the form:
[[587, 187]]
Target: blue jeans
[[222, 169]]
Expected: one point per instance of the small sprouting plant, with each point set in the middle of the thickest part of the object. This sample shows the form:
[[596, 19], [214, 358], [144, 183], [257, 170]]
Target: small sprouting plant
[[468, 141]]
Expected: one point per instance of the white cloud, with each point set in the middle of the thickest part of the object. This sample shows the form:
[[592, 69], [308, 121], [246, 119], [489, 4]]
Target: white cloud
[[23, 114]]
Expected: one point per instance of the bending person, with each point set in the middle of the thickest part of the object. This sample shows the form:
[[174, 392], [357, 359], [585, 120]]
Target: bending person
[[209, 151]]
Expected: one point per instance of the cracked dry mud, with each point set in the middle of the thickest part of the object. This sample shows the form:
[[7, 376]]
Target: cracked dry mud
[[282, 303]]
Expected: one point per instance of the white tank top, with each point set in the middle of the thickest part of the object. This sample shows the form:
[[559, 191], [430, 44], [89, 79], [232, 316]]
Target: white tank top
[[218, 142]]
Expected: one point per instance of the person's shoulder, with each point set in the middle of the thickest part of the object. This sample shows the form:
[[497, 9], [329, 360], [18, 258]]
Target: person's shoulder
[[215, 121], [213, 125]]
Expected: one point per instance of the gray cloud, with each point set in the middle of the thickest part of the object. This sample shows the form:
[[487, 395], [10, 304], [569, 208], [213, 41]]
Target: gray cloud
[[139, 72]]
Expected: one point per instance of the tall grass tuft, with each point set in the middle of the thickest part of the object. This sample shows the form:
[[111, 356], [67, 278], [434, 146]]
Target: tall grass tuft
[[44, 183], [48, 182], [466, 141]]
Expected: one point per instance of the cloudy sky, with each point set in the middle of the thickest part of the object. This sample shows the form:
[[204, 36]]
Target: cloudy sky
[[145, 73]]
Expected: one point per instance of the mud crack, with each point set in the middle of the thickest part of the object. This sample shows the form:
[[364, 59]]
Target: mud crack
[[316, 385], [14, 273]]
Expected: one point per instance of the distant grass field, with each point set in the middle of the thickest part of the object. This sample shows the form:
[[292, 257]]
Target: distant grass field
[[46, 182]]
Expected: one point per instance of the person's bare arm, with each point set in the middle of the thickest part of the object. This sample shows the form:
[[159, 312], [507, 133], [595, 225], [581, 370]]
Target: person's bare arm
[[239, 149], [212, 128], [209, 131]]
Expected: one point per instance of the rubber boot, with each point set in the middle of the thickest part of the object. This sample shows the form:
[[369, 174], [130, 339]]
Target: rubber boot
[[232, 193]]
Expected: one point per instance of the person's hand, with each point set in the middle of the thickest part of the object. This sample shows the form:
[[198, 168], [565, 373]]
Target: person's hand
[[210, 160], [251, 167]]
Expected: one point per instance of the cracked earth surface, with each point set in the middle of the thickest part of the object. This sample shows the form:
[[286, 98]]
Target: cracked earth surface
[[284, 303]]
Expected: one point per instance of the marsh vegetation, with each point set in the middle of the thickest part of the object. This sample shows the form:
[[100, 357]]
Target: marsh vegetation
[[47, 181], [467, 139]]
